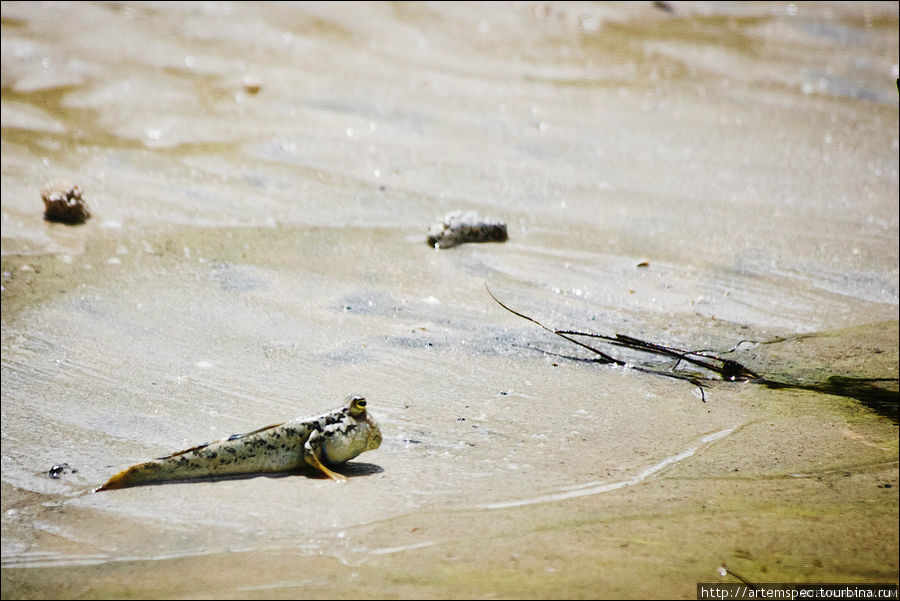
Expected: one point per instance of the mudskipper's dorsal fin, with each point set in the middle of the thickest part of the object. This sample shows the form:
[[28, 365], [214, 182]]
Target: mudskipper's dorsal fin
[[232, 437]]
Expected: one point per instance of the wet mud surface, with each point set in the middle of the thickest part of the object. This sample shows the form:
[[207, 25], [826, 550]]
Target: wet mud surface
[[256, 255]]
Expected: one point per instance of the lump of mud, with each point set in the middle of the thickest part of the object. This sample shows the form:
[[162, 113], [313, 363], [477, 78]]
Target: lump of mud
[[252, 84], [459, 228], [63, 203]]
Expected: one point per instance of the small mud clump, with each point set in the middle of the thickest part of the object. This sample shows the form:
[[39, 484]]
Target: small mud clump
[[459, 228], [63, 203], [252, 84]]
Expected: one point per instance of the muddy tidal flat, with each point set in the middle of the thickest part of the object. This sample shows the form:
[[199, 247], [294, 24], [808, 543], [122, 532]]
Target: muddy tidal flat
[[717, 177]]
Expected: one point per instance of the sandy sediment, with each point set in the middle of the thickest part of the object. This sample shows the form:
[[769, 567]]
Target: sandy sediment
[[694, 177]]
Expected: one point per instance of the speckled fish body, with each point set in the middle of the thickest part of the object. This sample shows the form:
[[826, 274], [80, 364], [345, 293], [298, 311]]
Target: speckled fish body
[[329, 439]]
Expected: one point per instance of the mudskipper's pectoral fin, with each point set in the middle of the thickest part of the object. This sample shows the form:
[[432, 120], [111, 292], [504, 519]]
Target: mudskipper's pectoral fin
[[314, 462], [312, 451]]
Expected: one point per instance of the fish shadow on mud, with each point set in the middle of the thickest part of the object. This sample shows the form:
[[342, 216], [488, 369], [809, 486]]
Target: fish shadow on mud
[[353, 469]]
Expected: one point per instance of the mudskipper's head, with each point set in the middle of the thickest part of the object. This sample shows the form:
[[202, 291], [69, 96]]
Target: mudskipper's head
[[359, 433], [356, 407]]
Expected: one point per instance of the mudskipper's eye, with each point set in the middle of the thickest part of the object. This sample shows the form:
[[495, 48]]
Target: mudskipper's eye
[[357, 405]]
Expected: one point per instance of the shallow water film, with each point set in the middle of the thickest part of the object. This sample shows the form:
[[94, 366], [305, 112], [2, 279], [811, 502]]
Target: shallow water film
[[261, 179]]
